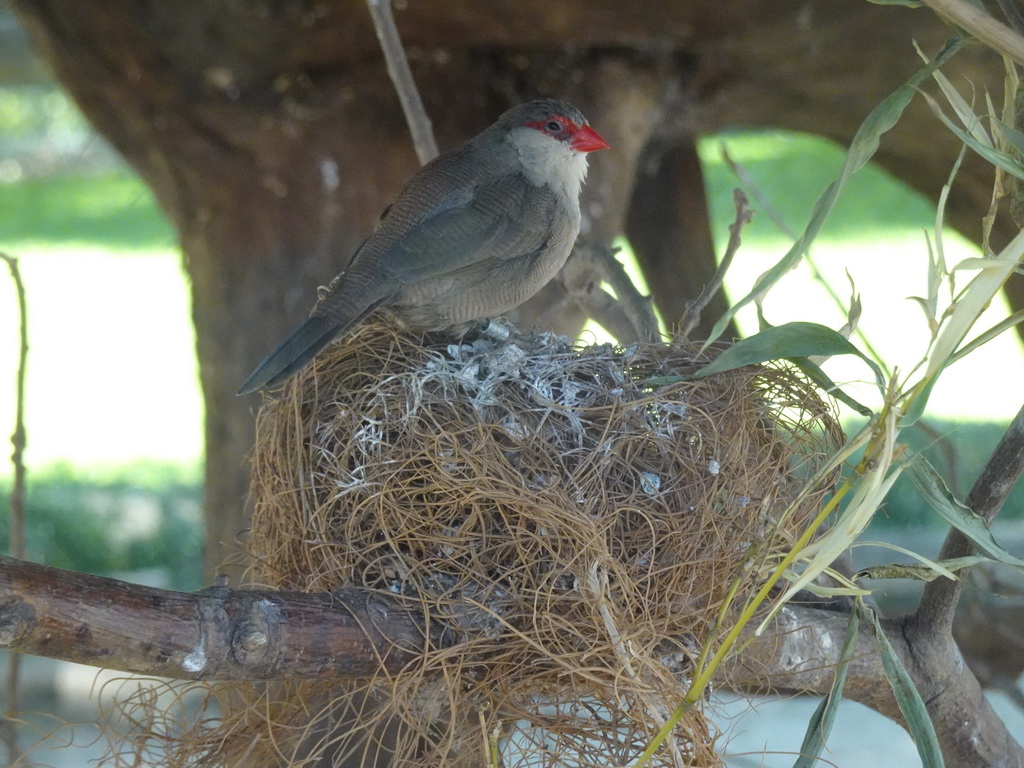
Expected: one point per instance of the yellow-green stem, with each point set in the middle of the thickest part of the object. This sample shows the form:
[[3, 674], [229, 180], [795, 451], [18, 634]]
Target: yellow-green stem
[[706, 671], [722, 613]]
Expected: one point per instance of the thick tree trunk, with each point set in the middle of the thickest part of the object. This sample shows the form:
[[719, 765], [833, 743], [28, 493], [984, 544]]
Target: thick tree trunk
[[272, 137], [669, 226]]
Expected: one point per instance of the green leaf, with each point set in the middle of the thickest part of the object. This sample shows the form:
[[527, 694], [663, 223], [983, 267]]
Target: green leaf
[[933, 490], [988, 335], [992, 155], [907, 3], [862, 148], [1012, 135], [917, 407], [909, 700], [820, 725], [783, 342], [825, 383]]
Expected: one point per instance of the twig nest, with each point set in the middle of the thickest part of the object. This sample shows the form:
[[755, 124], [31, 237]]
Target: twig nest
[[572, 525]]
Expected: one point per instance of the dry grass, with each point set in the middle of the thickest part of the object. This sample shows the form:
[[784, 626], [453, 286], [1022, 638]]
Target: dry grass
[[571, 528]]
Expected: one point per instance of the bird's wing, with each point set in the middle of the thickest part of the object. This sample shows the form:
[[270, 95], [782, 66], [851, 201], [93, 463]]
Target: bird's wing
[[506, 218]]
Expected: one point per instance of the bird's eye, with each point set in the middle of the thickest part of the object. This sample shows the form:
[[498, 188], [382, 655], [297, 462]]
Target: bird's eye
[[553, 126]]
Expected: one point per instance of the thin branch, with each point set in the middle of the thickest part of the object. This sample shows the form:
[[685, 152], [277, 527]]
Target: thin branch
[[608, 312], [973, 19], [401, 76], [16, 515], [636, 307], [18, 438], [988, 494], [693, 310]]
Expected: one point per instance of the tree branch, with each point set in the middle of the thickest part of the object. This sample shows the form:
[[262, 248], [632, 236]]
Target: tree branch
[[401, 76], [947, 686], [235, 634], [988, 494], [637, 307], [799, 655], [628, 315], [693, 310], [215, 634], [16, 522], [16, 516], [975, 20], [609, 312]]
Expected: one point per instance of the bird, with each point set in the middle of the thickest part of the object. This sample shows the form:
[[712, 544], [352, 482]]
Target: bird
[[473, 234]]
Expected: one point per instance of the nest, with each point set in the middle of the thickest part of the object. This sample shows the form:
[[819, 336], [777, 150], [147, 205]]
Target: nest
[[569, 523]]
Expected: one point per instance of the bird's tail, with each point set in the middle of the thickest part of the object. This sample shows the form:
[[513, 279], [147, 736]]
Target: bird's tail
[[298, 348]]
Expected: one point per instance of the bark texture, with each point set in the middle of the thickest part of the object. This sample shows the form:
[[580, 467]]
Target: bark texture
[[215, 634]]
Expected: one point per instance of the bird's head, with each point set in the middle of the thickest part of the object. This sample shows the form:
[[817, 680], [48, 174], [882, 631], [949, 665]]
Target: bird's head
[[552, 140], [561, 122]]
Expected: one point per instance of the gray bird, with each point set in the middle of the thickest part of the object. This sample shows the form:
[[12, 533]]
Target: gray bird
[[474, 233]]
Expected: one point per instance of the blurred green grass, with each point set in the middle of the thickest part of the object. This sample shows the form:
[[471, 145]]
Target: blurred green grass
[[139, 522], [792, 169], [114, 210]]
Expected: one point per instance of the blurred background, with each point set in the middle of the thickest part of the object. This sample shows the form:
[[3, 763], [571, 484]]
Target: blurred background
[[114, 409]]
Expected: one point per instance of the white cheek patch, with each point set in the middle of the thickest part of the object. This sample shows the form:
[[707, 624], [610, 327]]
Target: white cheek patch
[[549, 161]]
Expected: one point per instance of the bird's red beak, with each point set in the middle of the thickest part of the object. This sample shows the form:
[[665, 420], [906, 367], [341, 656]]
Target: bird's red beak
[[586, 139]]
